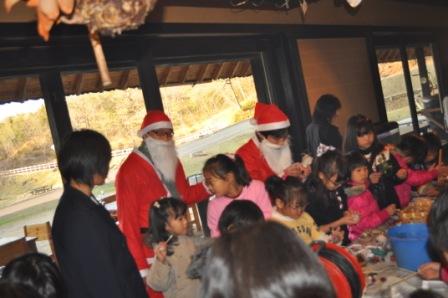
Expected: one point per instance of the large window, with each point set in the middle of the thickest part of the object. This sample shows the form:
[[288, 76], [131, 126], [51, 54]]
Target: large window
[[211, 116], [30, 183], [411, 93], [117, 113]]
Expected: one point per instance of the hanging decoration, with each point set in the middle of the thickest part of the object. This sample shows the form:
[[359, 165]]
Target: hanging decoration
[[105, 17], [354, 3]]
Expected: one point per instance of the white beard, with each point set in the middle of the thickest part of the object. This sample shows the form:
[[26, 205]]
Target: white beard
[[164, 157], [278, 157]]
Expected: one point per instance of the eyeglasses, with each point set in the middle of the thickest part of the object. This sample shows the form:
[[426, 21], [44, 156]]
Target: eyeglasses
[[163, 133]]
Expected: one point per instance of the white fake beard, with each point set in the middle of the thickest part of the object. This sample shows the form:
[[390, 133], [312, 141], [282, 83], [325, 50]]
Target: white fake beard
[[278, 157], [164, 157]]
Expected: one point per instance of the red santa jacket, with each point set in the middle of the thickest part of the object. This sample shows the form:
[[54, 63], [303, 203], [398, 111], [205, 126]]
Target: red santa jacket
[[254, 161], [137, 187]]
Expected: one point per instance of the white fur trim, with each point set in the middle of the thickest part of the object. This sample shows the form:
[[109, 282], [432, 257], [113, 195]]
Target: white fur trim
[[154, 126], [273, 125]]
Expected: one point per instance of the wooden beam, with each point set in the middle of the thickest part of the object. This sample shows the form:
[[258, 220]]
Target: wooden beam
[[99, 83], [245, 70], [124, 78], [202, 73], [164, 76], [78, 83], [56, 107], [183, 74], [236, 68], [21, 88], [148, 82], [220, 71]]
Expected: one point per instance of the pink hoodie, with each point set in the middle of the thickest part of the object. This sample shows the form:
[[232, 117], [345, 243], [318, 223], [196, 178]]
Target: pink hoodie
[[361, 200], [415, 178]]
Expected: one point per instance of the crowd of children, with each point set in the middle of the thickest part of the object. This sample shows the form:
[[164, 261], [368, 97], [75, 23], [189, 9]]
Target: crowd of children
[[346, 193]]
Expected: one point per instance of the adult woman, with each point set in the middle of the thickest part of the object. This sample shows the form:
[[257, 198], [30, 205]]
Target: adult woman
[[321, 131], [91, 251]]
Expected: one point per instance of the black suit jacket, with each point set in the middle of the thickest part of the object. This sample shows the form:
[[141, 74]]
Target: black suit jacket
[[91, 251]]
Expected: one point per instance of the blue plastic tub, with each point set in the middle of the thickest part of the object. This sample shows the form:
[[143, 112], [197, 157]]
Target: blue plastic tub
[[410, 245]]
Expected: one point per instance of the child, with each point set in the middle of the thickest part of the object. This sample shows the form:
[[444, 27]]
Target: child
[[173, 250], [360, 199], [263, 260], [327, 201], [438, 235], [39, 272], [383, 167], [289, 200], [228, 180], [433, 158], [411, 150], [239, 214]]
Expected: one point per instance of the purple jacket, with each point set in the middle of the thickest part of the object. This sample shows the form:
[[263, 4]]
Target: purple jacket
[[361, 200], [415, 178]]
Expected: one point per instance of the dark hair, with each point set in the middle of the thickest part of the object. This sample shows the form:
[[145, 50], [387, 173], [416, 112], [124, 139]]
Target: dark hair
[[263, 260], [357, 126], [326, 108], [289, 191], [220, 165], [10, 289], [277, 133], [84, 154], [413, 146], [355, 160], [329, 164], [432, 141], [37, 271], [239, 214], [159, 213], [438, 222], [422, 293]]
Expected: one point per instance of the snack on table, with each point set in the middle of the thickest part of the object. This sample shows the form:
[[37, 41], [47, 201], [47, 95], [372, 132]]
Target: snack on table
[[417, 211]]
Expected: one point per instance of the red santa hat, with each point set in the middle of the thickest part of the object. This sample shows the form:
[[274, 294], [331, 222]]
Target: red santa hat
[[154, 120], [269, 117]]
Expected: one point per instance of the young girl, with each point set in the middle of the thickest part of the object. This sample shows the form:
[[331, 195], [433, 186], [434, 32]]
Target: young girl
[[360, 199], [173, 250], [289, 199], [412, 149], [327, 201], [228, 180], [384, 175]]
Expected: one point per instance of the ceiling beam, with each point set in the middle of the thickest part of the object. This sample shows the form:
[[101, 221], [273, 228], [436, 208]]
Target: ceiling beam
[[124, 78], [164, 74], [21, 88], [218, 71], [79, 79], [202, 73], [236, 67], [183, 74]]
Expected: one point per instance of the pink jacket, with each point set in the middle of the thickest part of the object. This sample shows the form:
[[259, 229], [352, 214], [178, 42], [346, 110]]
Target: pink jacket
[[254, 192], [361, 200], [415, 178], [444, 274]]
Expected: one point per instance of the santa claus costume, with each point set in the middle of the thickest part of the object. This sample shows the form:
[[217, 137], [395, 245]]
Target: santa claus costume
[[262, 159], [142, 180]]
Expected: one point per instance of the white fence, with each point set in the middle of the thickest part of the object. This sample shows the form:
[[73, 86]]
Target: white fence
[[51, 165]]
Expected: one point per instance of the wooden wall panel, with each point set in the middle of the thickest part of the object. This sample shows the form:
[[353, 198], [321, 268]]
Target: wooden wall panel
[[339, 67]]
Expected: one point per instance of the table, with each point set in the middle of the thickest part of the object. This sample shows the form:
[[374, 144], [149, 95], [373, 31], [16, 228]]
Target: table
[[395, 282]]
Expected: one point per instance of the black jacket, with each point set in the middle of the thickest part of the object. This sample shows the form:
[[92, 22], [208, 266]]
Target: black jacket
[[91, 251], [324, 133]]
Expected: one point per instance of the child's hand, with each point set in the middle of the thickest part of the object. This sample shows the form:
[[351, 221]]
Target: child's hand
[[336, 235], [160, 252], [429, 270], [402, 174], [375, 177], [351, 218], [391, 209], [298, 170]]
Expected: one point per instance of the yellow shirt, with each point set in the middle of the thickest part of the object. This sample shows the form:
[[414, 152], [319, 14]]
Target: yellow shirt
[[305, 227]]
